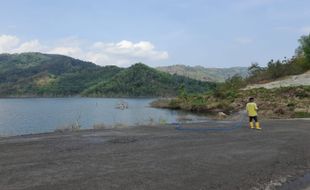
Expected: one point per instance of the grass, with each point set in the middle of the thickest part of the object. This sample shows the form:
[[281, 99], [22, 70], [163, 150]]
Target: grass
[[273, 103], [302, 115]]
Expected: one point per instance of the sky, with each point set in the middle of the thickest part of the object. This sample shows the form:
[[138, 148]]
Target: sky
[[210, 33]]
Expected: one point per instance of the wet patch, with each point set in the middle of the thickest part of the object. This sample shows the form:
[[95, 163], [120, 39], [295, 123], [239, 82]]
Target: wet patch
[[301, 183]]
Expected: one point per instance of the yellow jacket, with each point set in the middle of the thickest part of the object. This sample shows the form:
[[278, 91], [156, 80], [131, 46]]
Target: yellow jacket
[[251, 108]]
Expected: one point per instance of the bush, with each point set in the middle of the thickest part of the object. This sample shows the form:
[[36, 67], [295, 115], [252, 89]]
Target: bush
[[302, 93], [100, 126], [174, 104]]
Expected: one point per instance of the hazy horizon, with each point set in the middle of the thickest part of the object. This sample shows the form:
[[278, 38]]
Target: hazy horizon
[[211, 34]]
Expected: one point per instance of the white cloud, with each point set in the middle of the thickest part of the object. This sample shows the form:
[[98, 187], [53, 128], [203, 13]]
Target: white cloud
[[123, 53], [70, 51], [30, 46], [142, 49], [7, 43]]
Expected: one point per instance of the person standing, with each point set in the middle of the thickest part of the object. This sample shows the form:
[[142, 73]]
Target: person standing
[[251, 109]]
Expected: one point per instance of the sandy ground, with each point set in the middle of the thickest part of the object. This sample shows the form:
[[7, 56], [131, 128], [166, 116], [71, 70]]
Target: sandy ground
[[295, 80], [160, 157]]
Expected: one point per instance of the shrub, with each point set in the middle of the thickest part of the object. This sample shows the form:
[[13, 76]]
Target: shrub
[[100, 126], [175, 104]]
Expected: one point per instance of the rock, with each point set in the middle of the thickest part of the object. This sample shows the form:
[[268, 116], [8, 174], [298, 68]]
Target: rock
[[279, 111], [305, 110], [221, 115]]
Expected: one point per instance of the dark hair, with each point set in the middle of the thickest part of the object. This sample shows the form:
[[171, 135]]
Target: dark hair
[[251, 99]]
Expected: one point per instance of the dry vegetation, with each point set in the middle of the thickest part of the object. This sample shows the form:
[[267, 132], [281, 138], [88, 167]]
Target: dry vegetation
[[287, 102]]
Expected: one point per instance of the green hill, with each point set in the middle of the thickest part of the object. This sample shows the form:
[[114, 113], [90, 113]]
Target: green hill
[[141, 80], [37, 74], [205, 74]]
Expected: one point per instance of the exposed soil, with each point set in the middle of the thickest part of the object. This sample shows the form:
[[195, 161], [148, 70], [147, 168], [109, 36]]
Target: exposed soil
[[295, 80]]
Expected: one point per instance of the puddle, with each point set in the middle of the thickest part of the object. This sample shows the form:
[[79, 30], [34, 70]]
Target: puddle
[[301, 183]]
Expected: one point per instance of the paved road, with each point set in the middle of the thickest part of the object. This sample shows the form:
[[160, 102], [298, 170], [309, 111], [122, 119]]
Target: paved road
[[159, 158]]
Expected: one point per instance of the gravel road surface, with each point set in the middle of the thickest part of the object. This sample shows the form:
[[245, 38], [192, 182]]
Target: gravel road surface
[[160, 157]]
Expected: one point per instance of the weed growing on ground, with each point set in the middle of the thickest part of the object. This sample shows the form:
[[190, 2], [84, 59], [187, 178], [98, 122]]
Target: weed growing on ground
[[69, 128]]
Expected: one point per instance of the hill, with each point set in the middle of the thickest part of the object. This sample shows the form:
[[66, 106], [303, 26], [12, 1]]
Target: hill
[[205, 74], [141, 80], [37, 74], [281, 89], [288, 97], [285, 97]]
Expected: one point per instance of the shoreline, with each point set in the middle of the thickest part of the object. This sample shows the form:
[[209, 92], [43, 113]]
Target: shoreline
[[171, 125]]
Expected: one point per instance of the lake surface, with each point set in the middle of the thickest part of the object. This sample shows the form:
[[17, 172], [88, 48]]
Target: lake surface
[[39, 115]]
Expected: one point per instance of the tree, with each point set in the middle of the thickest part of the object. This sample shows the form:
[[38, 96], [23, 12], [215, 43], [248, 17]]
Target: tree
[[254, 69], [304, 50], [275, 69], [256, 73], [235, 82]]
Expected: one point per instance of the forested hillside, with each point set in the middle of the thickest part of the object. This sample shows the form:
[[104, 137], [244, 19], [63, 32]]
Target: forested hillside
[[37, 74], [141, 80]]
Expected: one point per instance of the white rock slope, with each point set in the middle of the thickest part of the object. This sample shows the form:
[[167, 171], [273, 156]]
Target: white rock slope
[[294, 80]]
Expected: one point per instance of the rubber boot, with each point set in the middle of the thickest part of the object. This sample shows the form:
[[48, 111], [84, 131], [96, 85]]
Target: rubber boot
[[257, 126], [251, 125]]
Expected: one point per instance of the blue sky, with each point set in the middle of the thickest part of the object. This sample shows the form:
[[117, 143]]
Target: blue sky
[[210, 33]]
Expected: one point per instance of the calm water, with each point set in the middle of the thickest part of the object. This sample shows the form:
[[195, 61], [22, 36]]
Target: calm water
[[38, 115]]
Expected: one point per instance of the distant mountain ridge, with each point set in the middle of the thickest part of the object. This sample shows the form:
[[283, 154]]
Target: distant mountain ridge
[[37, 74], [205, 74]]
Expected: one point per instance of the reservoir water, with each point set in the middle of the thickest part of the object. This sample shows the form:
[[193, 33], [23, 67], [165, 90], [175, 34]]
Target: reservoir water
[[39, 115]]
